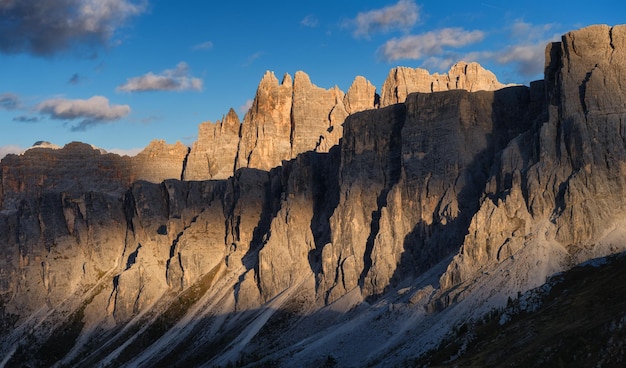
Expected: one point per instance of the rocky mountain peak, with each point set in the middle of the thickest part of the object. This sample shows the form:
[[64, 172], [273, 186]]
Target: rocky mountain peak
[[160, 161], [231, 120], [471, 77], [360, 96], [403, 81], [390, 223], [287, 80]]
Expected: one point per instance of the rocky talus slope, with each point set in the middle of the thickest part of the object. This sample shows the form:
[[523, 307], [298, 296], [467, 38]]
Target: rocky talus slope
[[324, 228]]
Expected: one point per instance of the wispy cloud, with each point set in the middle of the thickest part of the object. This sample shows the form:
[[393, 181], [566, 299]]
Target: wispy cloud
[[441, 63], [310, 21], [253, 57], [45, 28], [177, 79], [9, 101], [428, 44], [26, 119], [401, 16], [246, 106], [207, 45], [91, 112], [526, 53], [11, 148]]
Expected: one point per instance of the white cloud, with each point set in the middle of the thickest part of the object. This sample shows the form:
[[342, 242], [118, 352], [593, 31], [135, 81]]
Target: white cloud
[[428, 44], [529, 32], [402, 15], [93, 111], [203, 46], [126, 151], [11, 148], [48, 27], [177, 79]]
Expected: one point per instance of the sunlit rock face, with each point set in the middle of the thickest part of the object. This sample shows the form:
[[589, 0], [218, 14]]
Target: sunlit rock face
[[286, 238], [213, 155], [285, 119], [403, 81], [159, 161], [77, 167]]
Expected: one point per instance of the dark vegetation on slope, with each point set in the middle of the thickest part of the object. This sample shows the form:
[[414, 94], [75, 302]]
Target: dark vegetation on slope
[[581, 322]]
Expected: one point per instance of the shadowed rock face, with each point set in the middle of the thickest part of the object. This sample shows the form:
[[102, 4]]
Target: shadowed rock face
[[317, 200], [568, 172]]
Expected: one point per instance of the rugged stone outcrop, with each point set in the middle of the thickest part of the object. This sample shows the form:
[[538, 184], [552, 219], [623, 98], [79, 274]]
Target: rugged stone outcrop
[[317, 116], [437, 206], [563, 182], [295, 116], [213, 155], [285, 120], [159, 161], [77, 168], [411, 178], [403, 81], [361, 96], [266, 129], [81, 168]]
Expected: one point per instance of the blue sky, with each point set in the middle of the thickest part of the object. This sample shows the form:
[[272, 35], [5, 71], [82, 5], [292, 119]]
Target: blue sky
[[120, 73]]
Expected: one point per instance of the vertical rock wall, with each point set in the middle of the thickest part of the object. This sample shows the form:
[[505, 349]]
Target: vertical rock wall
[[567, 175]]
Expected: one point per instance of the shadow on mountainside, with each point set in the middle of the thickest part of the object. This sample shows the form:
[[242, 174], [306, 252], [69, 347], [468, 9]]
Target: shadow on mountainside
[[512, 113]]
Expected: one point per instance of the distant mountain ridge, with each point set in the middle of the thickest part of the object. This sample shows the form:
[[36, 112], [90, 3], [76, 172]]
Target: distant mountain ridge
[[325, 227]]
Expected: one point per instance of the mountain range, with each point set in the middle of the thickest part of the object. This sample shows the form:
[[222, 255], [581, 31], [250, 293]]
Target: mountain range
[[412, 227]]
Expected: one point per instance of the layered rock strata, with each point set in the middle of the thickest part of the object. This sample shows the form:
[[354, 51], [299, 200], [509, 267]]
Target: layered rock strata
[[403, 81], [487, 192], [564, 180], [213, 155], [295, 116]]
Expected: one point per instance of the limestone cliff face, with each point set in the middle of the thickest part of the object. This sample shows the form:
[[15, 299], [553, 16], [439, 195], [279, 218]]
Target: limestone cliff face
[[369, 166], [294, 117], [80, 168], [159, 161], [317, 116], [411, 178], [213, 155], [562, 182], [77, 167], [266, 129], [317, 201], [403, 81], [285, 120], [360, 96]]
